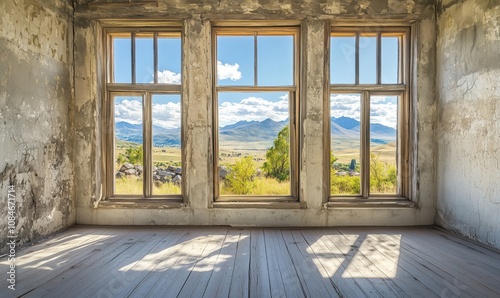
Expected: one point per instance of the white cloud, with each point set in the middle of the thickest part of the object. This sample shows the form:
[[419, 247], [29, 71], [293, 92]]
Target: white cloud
[[129, 110], [228, 71], [253, 109], [166, 115], [169, 77], [383, 109]]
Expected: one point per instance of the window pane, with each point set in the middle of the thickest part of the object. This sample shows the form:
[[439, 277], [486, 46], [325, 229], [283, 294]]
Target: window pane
[[275, 60], [167, 175], [235, 60], [169, 60], [343, 60], [144, 58], [122, 60], [390, 59], [254, 143], [128, 145], [368, 59], [345, 111], [383, 144]]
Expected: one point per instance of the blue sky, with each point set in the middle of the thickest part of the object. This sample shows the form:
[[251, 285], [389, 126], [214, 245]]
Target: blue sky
[[235, 59]]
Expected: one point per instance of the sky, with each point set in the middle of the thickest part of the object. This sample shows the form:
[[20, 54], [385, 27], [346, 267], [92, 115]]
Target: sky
[[235, 67]]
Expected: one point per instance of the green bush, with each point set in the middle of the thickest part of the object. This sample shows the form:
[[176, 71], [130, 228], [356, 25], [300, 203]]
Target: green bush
[[344, 185], [131, 155], [239, 180]]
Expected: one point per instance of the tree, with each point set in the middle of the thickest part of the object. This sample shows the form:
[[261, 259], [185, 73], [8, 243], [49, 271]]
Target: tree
[[333, 159], [239, 180], [352, 166], [131, 155], [277, 162]]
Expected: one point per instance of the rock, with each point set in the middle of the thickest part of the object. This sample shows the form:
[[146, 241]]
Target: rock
[[126, 166], [171, 169], [165, 179], [156, 177], [130, 172], [341, 173], [155, 169], [139, 168], [177, 179], [165, 174], [223, 172], [119, 175], [178, 171]]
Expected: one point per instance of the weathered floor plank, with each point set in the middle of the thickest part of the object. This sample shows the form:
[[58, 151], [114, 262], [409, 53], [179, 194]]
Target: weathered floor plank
[[256, 262]]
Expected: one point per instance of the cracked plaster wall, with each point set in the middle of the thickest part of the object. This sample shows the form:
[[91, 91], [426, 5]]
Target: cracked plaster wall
[[35, 91], [468, 59], [314, 17]]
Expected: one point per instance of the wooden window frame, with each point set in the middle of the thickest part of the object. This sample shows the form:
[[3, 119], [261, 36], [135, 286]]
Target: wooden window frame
[[293, 93], [146, 91], [401, 89]]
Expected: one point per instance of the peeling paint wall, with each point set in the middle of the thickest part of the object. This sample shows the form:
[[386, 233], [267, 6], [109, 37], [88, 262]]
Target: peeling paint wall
[[468, 71], [314, 17], [36, 55]]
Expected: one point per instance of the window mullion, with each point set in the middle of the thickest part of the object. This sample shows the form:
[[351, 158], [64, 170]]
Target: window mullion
[[148, 145], [356, 80], [155, 55], [365, 144], [133, 57], [379, 58]]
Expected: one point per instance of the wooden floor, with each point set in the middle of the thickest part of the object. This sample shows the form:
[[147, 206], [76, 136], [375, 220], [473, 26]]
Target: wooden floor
[[232, 262]]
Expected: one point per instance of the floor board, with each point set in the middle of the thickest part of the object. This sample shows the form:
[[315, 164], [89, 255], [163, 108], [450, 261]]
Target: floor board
[[254, 262]]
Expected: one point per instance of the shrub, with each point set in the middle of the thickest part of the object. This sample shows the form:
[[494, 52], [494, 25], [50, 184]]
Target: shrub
[[239, 180], [277, 164]]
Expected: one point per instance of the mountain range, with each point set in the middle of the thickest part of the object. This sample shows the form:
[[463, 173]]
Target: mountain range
[[254, 131]]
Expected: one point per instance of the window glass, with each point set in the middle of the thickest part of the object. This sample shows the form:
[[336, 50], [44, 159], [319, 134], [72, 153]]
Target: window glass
[[383, 144], [368, 59], [345, 150], [122, 61], [169, 60], [167, 166], [275, 60], [128, 151], [390, 59], [144, 58], [343, 59], [235, 60], [254, 143]]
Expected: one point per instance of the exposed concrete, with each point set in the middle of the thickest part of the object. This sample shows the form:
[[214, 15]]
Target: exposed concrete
[[197, 92], [469, 118], [36, 56]]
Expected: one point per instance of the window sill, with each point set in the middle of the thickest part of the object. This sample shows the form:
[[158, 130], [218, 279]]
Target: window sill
[[125, 203], [370, 203], [261, 205]]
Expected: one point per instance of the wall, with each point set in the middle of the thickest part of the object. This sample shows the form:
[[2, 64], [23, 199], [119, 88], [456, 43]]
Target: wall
[[36, 55], [468, 56], [314, 18]]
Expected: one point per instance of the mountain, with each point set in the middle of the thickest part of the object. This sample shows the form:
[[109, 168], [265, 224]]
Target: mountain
[[252, 131], [342, 128], [162, 137]]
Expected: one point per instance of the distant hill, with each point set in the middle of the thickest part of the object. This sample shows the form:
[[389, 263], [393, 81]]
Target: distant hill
[[162, 137], [252, 131], [255, 131]]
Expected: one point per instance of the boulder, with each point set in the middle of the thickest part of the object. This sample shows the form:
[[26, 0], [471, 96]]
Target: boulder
[[165, 174], [177, 179], [126, 166], [130, 172], [223, 172], [119, 175], [156, 177], [139, 168], [178, 171], [171, 169]]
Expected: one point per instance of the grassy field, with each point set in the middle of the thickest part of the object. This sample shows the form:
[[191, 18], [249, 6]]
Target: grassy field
[[133, 186], [262, 186]]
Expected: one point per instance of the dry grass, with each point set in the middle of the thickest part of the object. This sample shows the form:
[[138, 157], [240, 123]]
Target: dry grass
[[263, 186], [133, 186]]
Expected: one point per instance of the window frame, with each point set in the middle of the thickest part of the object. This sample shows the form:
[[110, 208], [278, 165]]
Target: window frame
[[292, 90], [146, 91], [401, 89]]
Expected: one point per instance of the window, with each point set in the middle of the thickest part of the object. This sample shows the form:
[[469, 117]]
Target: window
[[255, 113], [143, 112], [369, 71]]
